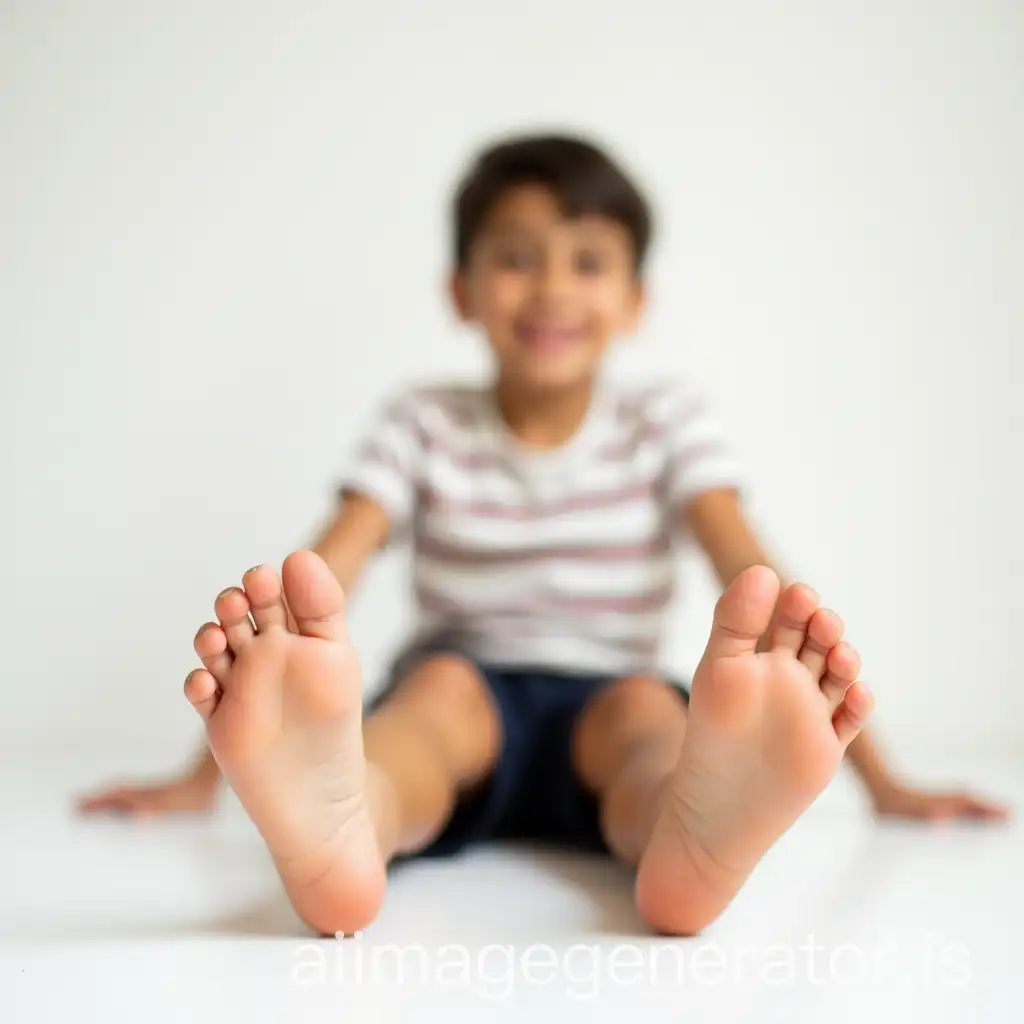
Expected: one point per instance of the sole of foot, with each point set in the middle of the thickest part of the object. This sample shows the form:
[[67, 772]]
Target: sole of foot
[[281, 699], [766, 732]]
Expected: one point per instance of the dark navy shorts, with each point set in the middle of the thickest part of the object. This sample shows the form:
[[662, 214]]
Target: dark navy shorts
[[533, 793]]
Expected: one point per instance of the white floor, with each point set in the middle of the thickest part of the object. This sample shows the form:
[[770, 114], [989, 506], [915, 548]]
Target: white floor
[[846, 920]]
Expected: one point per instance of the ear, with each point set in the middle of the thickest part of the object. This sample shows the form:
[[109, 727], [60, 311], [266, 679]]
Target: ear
[[458, 291]]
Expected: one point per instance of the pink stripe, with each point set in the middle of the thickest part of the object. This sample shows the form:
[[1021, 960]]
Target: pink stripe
[[474, 461], [653, 601], [374, 452], [453, 555], [409, 419], [650, 431], [471, 461], [649, 602], [626, 448], [707, 449], [433, 443], [492, 510]]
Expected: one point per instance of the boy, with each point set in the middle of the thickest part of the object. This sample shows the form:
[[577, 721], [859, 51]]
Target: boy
[[542, 512]]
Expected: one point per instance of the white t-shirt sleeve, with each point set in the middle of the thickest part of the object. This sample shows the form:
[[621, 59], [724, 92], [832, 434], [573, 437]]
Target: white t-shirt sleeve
[[387, 463], [699, 456]]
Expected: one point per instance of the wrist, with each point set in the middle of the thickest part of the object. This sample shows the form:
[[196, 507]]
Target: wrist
[[880, 789], [867, 761]]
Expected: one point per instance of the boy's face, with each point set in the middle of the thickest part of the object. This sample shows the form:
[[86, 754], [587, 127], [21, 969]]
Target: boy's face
[[549, 293]]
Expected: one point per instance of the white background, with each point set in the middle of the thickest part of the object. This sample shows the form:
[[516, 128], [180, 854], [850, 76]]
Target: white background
[[223, 238]]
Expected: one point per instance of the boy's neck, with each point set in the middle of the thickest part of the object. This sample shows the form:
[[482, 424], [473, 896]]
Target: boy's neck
[[543, 418]]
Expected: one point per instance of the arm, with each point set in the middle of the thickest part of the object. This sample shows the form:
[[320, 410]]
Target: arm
[[356, 533], [346, 543], [717, 522]]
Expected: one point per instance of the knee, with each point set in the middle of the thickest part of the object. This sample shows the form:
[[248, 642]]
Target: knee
[[448, 681], [635, 715], [450, 702], [639, 699]]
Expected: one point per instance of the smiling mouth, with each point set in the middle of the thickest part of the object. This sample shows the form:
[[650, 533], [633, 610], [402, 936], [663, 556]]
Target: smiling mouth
[[548, 337]]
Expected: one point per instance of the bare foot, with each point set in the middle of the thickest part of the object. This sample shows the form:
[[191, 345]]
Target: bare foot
[[766, 733], [283, 717]]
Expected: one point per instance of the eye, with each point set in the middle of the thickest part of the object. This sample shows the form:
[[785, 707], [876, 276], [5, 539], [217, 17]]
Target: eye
[[589, 261], [515, 258]]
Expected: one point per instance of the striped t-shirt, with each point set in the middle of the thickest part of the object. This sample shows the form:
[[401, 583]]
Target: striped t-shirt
[[559, 559]]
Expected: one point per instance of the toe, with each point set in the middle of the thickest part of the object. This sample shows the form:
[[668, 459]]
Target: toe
[[202, 692], [824, 631], [232, 608], [842, 665], [852, 714], [266, 598], [314, 596], [796, 607], [212, 647], [743, 613]]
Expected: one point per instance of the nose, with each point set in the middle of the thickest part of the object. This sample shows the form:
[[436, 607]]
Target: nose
[[555, 279]]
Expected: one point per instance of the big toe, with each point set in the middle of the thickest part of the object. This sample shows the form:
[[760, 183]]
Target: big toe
[[314, 596], [743, 613]]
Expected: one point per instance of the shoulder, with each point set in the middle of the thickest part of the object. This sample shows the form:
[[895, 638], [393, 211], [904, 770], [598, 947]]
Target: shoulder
[[432, 409], [432, 402], [655, 407]]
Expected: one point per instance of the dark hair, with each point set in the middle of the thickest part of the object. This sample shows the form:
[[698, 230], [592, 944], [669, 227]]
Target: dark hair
[[584, 178]]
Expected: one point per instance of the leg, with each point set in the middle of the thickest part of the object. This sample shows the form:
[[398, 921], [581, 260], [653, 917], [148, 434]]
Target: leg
[[436, 737], [626, 745], [333, 798]]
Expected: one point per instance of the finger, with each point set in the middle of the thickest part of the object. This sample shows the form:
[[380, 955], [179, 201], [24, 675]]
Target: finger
[[971, 807], [99, 801], [109, 803]]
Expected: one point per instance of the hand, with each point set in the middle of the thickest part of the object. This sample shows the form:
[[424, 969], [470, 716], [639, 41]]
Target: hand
[[187, 795], [919, 805]]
